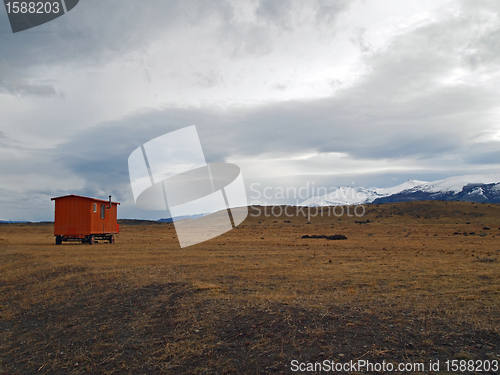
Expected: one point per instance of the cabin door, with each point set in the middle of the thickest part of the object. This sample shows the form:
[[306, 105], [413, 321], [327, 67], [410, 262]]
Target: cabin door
[[103, 216]]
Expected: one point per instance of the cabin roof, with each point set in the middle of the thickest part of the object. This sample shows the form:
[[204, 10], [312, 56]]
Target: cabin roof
[[80, 196]]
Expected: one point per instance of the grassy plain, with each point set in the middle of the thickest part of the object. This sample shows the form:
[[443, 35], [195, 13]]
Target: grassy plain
[[412, 282]]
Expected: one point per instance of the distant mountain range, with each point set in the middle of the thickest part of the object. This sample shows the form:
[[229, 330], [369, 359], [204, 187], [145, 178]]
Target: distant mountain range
[[179, 218], [471, 188]]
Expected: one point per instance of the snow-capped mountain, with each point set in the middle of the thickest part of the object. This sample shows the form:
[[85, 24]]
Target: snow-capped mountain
[[456, 184], [344, 195], [475, 188], [399, 188]]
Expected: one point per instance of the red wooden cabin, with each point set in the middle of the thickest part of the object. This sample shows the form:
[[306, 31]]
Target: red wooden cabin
[[85, 219]]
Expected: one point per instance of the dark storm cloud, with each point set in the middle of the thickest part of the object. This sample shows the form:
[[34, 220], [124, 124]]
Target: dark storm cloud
[[99, 156], [12, 83], [484, 153], [21, 87], [285, 13], [4, 140], [86, 36], [8, 143], [329, 125], [399, 110], [278, 12]]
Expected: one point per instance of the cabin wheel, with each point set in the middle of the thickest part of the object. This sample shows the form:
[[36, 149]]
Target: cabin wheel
[[111, 239], [58, 240], [91, 240]]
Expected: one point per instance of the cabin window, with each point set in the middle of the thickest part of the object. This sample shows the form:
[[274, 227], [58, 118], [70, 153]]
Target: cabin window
[[103, 210], [95, 207]]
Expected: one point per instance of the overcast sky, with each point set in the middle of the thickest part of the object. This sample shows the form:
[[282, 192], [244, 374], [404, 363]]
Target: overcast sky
[[364, 92]]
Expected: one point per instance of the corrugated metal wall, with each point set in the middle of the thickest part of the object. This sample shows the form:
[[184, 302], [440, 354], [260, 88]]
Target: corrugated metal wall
[[106, 225], [72, 217], [75, 217]]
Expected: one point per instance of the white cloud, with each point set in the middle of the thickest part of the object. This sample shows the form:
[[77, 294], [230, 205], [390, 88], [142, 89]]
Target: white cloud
[[359, 87]]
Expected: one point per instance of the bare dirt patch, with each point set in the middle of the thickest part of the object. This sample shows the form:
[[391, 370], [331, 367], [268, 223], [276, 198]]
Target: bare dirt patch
[[400, 288]]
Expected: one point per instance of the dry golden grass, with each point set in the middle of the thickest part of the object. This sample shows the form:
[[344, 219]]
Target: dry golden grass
[[402, 287]]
